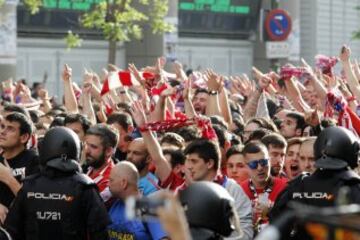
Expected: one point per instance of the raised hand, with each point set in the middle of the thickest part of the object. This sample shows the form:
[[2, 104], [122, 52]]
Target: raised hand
[[263, 80], [104, 74], [160, 63], [344, 89], [96, 80], [87, 81], [312, 117], [168, 92], [43, 94], [187, 89], [67, 73], [25, 90], [214, 81], [136, 73], [179, 71], [331, 82], [113, 68], [345, 54], [138, 113], [245, 85]]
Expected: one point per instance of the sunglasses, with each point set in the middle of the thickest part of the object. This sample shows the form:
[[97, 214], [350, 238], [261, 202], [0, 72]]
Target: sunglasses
[[254, 164]]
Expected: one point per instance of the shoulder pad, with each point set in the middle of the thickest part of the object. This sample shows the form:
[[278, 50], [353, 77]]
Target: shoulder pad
[[299, 178], [349, 175], [84, 179], [31, 177]]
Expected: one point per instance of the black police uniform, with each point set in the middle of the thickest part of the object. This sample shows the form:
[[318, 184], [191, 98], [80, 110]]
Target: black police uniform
[[59, 203], [319, 189], [336, 150], [65, 207]]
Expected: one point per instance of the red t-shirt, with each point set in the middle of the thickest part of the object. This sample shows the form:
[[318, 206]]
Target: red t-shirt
[[101, 178], [173, 182]]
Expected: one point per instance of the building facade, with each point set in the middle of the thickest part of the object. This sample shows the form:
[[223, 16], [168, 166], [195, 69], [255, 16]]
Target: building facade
[[324, 26]]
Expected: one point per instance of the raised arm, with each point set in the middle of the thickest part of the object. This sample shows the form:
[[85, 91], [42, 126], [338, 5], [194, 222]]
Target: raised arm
[[69, 94], [315, 82], [189, 107], [214, 83], [44, 96], [225, 106], [163, 168], [88, 109], [349, 73]]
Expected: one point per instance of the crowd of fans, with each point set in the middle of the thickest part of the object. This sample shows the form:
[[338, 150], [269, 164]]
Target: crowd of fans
[[143, 130]]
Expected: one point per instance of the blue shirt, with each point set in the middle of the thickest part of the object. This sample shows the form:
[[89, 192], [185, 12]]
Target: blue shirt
[[148, 184], [123, 229]]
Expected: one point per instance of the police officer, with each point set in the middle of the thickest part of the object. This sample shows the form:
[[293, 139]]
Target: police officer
[[209, 211], [336, 152], [59, 203]]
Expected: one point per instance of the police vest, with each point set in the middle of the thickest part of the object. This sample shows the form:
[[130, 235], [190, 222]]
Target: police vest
[[53, 207]]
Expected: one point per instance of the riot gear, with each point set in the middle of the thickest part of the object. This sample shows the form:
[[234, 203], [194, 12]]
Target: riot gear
[[208, 208], [336, 148], [59, 203], [60, 149]]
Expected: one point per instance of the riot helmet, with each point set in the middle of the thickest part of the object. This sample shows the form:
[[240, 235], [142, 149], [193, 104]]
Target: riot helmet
[[208, 209], [60, 149], [336, 148]]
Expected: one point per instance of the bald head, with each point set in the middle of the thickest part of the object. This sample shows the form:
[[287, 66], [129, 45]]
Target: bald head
[[124, 178], [138, 154], [128, 171]]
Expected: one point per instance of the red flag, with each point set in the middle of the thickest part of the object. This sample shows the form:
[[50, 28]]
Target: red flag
[[148, 75], [353, 122], [111, 82], [125, 78]]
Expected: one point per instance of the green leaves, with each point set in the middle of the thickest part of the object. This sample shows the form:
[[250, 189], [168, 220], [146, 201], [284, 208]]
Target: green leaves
[[123, 20], [118, 20], [33, 5], [158, 11], [72, 40], [356, 35]]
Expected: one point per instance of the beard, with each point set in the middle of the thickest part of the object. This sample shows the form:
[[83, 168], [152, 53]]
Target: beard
[[274, 172], [140, 165], [96, 162]]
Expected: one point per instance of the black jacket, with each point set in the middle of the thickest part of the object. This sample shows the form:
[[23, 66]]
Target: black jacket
[[320, 190], [58, 206]]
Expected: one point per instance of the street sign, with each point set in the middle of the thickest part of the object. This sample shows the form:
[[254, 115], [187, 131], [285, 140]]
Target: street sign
[[277, 50], [278, 25]]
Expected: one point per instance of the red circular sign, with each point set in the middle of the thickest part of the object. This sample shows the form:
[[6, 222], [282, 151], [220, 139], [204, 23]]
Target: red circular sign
[[278, 24]]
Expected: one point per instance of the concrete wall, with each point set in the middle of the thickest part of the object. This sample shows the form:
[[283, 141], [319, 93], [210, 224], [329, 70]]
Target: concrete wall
[[326, 25], [37, 56], [229, 57]]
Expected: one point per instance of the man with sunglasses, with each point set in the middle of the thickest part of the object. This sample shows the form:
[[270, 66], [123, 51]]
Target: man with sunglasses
[[261, 188]]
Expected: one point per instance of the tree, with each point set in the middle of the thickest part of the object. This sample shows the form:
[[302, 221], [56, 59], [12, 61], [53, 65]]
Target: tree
[[119, 20], [356, 34]]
